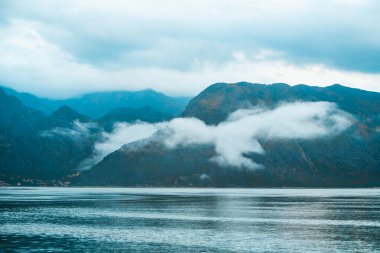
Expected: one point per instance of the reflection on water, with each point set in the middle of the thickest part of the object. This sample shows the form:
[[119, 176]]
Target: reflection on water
[[189, 220]]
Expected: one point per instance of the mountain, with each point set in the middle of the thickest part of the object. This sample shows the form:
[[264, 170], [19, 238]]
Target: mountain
[[35, 148], [149, 163], [96, 105], [29, 100], [42, 149], [47, 149], [216, 102], [350, 159], [17, 119], [130, 115], [64, 116]]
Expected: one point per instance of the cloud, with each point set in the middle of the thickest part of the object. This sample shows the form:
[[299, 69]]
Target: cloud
[[77, 131], [64, 48], [122, 134], [236, 137], [240, 133]]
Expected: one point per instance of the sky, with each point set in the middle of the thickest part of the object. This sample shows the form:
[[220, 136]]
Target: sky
[[65, 48]]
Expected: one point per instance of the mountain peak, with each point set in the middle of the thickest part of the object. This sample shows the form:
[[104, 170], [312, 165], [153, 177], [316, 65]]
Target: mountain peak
[[215, 103], [67, 114], [64, 110]]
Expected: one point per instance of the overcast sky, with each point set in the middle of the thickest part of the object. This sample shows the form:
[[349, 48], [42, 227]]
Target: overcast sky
[[64, 48]]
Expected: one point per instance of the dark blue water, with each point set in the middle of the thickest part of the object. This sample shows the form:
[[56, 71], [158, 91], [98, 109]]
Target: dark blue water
[[189, 220]]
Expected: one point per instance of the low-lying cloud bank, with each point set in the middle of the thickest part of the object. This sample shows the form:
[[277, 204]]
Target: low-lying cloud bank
[[233, 139], [77, 131], [123, 133], [240, 133]]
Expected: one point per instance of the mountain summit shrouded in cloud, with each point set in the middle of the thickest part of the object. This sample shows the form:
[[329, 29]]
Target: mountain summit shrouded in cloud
[[64, 48]]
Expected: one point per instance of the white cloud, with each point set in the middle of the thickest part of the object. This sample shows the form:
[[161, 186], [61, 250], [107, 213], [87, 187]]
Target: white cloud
[[239, 135], [123, 133], [77, 131]]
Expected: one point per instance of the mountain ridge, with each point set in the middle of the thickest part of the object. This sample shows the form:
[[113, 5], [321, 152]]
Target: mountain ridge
[[245, 95], [98, 104]]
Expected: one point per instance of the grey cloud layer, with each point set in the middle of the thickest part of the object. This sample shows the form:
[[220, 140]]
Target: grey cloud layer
[[70, 47], [146, 33]]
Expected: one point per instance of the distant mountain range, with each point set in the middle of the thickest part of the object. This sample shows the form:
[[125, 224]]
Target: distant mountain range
[[46, 148], [96, 105]]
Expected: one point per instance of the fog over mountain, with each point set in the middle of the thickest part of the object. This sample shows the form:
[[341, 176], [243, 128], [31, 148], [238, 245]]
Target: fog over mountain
[[233, 138], [122, 134], [239, 134], [38, 147], [256, 135]]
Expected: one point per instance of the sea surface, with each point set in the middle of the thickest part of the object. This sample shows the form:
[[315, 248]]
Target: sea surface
[[189, 220]]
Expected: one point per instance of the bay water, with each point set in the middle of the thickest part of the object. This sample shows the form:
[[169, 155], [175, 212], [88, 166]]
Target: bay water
[[189, 220]]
